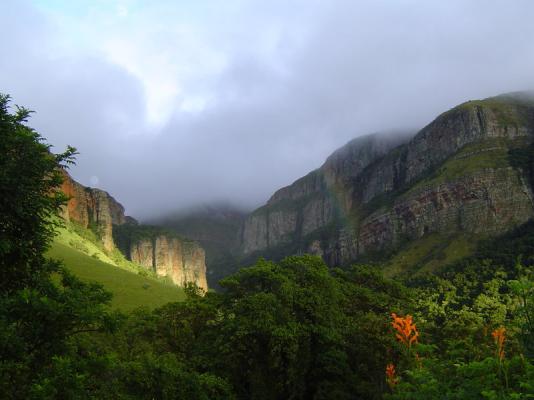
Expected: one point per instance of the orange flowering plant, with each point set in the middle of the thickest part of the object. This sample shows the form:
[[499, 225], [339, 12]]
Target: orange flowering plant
[[499, 336], [406, 333], [406, 330], [391, 375]]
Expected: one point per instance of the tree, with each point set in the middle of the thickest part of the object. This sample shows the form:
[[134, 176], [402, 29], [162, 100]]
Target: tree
[[39, 312], [30, 176]]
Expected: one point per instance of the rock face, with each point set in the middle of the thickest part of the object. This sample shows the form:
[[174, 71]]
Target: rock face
[[216, 227], [455, 175], [316, 200], [181, 260], [92, 208]]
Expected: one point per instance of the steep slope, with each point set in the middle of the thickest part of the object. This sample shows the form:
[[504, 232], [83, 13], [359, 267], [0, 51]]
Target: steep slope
[[92, 209], [456, 175], [216, 227], [316, 200], [93, 212], [163, 252]]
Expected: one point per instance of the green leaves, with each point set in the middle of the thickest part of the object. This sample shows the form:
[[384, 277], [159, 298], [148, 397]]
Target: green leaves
[[29, 182]]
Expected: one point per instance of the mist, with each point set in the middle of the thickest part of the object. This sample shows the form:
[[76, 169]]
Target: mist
[[173, 105]]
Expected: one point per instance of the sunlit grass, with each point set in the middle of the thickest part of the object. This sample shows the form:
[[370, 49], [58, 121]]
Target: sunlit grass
[[130, 290]]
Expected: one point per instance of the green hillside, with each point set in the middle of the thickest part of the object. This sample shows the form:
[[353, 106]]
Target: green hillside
[[130, 290], [429, 254]]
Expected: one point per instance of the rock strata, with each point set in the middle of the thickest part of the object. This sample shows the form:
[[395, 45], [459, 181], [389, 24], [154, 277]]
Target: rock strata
[[455, 175], [163, 252], [93, 209]]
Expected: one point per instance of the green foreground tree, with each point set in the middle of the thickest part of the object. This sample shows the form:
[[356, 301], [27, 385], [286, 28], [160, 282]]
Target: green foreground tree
[[41, 305]]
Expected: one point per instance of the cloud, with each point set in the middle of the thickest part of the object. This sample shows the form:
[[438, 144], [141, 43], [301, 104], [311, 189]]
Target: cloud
[[173, 104]]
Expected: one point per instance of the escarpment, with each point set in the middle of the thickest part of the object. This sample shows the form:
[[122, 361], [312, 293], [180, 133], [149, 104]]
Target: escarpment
[[455, 175], [181, 260], [93, 209], [316, 200]]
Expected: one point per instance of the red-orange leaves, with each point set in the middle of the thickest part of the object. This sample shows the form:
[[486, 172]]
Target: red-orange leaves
[[499, 336], [406, 331]]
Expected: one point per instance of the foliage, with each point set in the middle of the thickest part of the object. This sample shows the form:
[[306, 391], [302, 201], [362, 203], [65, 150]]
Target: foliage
[[29, 177], [37, 315], [475, 321], [523, 290], [292, 329]]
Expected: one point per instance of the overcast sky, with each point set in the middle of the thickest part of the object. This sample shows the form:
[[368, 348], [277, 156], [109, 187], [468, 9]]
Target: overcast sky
[[176, 103]]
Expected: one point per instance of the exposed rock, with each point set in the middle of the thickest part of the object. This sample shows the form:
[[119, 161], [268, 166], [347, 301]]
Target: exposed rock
[[92, 208], [142, 253], [183, 261], [376, 192], [316, 200], [217, 228]]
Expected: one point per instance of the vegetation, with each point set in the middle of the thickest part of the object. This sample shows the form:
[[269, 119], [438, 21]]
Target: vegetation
[[291, 329], [73, 235], [81, 239], [429, 254], [130, 290]]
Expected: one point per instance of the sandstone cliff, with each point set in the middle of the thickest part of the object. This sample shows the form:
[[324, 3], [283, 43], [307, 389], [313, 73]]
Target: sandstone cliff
[[92, 209], [455, 175], [181, 260], [215, 227], [164, 253]]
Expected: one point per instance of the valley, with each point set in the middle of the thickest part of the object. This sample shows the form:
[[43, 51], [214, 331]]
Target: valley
[[266, 200], [329, 275]]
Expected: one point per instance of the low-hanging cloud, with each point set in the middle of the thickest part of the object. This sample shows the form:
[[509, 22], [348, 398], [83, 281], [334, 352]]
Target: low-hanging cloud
[[230, 103]]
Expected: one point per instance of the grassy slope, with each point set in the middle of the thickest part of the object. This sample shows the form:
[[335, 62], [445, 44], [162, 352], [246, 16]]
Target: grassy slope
[[430, 253], [67, 236], [129, 290]]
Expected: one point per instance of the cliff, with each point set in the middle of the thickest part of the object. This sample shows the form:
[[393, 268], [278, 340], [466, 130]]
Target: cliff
[[181, 260], [92, 209], [455, 175], [215, 227]]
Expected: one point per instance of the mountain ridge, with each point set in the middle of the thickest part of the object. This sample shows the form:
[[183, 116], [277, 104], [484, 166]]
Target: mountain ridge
[[374, 194]]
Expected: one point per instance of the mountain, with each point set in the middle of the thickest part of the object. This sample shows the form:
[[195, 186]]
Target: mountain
[[216, 227], [91, 211], [467, 173]]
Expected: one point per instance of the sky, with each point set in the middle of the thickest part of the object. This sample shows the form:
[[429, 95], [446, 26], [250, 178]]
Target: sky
[[177, 103]]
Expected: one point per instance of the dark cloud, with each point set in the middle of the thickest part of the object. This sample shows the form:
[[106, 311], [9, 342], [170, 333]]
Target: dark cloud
[[330, 71]]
